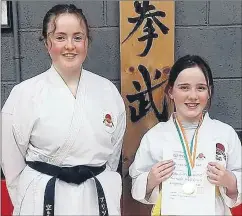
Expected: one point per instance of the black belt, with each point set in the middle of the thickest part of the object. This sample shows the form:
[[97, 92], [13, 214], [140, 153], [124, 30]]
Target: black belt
[[76, 174]]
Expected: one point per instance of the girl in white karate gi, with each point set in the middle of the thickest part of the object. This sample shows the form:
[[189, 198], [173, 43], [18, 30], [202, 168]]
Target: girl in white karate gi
[[190, 87], [62, 130]]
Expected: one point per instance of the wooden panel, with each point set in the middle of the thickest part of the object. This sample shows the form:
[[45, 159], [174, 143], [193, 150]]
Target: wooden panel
[[143, 77]]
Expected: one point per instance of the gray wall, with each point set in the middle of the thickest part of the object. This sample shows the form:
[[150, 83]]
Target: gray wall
[[210, 29]]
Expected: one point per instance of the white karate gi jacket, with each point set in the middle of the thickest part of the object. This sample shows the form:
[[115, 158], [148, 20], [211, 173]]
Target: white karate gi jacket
[[39, 116], [163, 135]]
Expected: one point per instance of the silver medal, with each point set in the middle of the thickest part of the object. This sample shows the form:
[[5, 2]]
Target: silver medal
[[189, 188]]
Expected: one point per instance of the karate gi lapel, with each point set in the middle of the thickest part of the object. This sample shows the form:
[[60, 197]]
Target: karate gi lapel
[[206, 137], [77, 118], [170, 132]]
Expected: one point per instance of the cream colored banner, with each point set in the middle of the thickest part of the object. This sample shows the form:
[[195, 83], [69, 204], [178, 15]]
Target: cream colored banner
[[147, 53]]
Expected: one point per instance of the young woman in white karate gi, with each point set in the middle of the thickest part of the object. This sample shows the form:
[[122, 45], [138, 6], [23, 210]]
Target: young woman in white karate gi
[[190, 87], [62, 130]]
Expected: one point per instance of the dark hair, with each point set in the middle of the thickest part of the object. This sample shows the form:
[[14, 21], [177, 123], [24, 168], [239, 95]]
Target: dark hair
[[62, 9], [190, 61]]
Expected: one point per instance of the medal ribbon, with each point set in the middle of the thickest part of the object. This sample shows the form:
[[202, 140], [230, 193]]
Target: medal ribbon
[[189, 152]]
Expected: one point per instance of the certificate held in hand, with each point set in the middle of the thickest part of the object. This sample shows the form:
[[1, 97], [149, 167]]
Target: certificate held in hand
[[188, 191], [184, 195]]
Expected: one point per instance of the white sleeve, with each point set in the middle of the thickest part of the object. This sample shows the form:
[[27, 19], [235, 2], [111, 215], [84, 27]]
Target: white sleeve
[[117, 140], [139, 171], [13, 155], [234, 164]]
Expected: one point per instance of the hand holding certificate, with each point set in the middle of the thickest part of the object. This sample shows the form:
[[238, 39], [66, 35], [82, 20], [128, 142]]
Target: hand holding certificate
[[159, 173]]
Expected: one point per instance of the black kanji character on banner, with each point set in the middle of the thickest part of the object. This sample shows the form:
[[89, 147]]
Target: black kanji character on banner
[[144, 104], [145, 14]]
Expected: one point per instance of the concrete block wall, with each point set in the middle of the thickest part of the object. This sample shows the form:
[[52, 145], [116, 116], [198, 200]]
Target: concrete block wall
[[211, 29]]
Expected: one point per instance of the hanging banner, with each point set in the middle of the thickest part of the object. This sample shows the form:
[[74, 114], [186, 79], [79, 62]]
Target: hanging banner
[[147, 53]]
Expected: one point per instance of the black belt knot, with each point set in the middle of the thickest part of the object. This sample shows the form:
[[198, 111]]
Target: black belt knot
[[76, 175]]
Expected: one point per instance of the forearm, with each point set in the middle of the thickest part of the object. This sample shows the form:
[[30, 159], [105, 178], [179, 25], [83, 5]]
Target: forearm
[[231, 189], [150, 187], [149, 190]]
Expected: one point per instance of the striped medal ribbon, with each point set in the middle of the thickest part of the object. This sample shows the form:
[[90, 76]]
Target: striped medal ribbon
[[188, 187]]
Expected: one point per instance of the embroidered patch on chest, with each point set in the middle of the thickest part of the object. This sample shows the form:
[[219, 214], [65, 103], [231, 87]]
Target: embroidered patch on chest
[[108, 121], [220, 152]]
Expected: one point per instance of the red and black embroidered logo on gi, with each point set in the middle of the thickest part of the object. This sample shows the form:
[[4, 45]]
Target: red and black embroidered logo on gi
[[220, 152], [108, 120]]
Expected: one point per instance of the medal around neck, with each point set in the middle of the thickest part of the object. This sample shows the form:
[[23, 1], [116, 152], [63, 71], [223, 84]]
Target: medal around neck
[[189, 155], [189, 188]]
